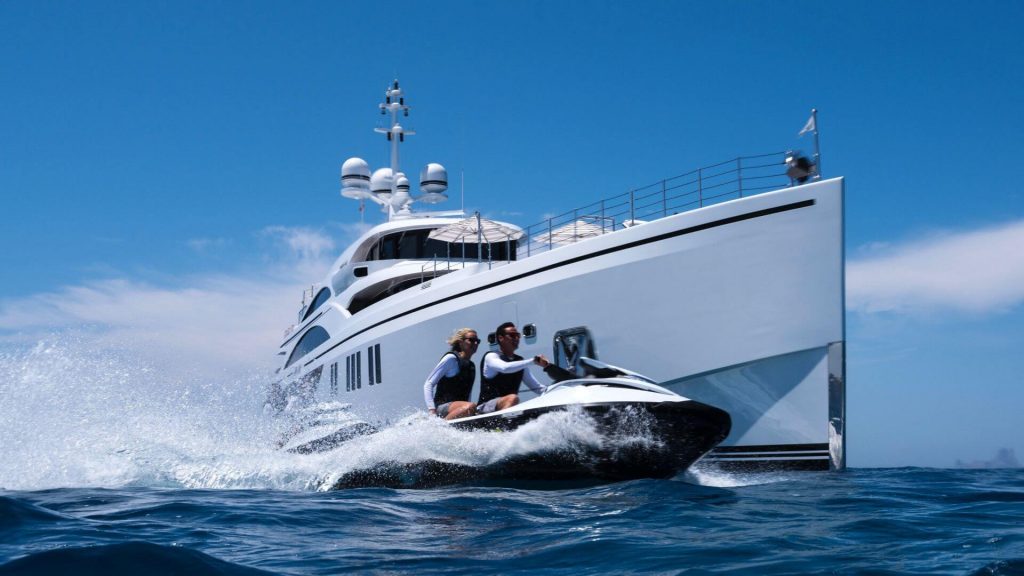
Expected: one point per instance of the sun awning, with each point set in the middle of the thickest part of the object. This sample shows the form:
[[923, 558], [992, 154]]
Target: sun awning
[[571, 232], [476, 229]]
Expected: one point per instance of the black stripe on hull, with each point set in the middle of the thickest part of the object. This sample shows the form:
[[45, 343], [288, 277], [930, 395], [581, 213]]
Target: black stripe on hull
[[769, 458], [779, 456], [760, 448], [802, 465]]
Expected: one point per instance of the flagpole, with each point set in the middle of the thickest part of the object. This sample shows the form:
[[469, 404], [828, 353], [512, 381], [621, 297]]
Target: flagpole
[[817, 154], [479, 239]]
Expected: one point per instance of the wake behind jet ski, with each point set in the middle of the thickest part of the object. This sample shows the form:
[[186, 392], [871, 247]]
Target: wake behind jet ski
[[322, 427]]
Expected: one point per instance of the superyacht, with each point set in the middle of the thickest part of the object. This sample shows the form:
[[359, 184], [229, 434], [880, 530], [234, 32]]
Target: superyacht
[[724, 284]]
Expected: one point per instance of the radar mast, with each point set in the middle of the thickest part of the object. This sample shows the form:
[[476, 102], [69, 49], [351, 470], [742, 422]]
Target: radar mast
[[389, 187]]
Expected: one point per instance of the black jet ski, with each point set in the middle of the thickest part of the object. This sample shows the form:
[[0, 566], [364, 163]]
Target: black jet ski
[[634, 429], [647, 431]]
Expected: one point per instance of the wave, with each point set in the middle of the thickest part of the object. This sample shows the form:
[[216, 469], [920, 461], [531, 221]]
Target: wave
[[1002, 568], [125, 558], [16, 515]]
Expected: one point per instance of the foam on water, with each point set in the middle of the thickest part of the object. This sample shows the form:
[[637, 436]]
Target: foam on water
[[708, 475]]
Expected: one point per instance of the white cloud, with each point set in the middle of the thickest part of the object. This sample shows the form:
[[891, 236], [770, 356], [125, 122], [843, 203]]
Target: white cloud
[[305, 243], [203, 324], [216, 322], [976, 271]]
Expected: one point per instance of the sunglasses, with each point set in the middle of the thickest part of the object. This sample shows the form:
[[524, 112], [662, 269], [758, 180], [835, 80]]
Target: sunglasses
[[472, 340], [512, 334]]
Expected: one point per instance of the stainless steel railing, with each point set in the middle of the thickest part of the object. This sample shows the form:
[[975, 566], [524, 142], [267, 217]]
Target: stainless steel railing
[[736, 178]]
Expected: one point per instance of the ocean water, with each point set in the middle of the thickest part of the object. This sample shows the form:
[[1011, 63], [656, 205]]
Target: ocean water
[[112, 466]]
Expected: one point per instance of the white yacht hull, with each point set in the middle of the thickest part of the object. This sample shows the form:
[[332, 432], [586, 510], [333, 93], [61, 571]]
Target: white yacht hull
[[739, 305]]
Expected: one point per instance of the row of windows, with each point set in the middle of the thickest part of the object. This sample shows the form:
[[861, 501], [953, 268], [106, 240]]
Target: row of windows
[[400, 245], [354, 370], [410, 244]]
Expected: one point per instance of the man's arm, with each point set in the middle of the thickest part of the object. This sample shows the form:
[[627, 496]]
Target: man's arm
[[531, 381], [493, 364], [554, 371]]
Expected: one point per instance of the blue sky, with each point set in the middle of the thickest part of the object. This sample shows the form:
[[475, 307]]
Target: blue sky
[[165, 165]]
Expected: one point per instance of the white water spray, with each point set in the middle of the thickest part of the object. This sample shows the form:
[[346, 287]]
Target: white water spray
[[77, 414]]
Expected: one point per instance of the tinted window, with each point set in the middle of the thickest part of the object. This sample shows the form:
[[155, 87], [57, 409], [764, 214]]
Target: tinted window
[[415, 244], [496, 252], [314, 337], [377, 293], [322, 296]]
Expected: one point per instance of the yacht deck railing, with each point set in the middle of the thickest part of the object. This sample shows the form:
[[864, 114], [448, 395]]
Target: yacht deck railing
[[736, 178]]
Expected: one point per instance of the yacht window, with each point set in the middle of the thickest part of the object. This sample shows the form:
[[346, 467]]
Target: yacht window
[[376, 293], [496, 252], [322, 296], [313, 337], [409, 244], [388, 247]]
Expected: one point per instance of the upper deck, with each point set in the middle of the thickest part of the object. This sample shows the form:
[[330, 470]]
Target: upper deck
[[398, 254]]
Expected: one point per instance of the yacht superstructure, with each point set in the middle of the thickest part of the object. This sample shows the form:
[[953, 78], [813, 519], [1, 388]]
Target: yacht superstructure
[[732, 299]]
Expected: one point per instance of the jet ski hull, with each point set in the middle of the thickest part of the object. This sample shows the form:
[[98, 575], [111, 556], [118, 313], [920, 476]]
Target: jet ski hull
[[618, 426], [637, 440]]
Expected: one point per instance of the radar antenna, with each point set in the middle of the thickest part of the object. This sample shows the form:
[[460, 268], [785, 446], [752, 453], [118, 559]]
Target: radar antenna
[[394, 102]]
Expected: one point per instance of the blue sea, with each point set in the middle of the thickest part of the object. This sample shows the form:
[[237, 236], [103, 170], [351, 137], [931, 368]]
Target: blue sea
[[870, 521], [111, 465]]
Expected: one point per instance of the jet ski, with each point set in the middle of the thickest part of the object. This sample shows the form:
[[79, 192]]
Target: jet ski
[[635, 429], [647, 431]]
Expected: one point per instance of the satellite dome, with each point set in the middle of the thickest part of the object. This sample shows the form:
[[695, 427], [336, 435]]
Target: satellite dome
[[380, 182], [402, 184], [433, 183], [355, 179]]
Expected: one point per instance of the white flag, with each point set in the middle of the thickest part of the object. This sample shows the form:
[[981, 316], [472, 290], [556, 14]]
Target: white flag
[[809, 127]]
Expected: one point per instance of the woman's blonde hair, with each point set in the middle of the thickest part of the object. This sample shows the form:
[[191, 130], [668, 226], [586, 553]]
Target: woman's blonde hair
[[457, 336]]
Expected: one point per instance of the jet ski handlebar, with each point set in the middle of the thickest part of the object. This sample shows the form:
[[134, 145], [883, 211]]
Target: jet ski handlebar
[[596, 369], [596, 373]]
